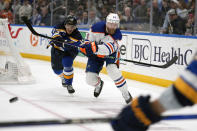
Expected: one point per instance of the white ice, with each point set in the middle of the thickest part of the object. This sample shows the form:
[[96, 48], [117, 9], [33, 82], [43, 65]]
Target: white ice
[[47, 100]]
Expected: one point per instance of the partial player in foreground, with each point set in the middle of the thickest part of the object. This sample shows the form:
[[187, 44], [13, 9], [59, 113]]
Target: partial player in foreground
[[142, 113], [62, 54], [102, 47]]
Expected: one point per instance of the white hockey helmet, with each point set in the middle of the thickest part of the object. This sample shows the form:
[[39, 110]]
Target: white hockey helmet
[[113, 18]]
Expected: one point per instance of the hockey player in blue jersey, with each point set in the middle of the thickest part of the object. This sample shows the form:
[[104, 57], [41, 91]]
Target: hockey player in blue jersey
[[102, 47], [142, 113], [62, 54]]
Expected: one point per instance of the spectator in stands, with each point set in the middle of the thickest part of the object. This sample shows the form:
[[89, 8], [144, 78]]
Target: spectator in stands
[[60, 10], [1, 5], [183, 11], [156, 14], [46, 17], [190, 25], [84, 20], [36, 17], [80, 10], [164, 9], [25, 11], [79, 13], [112, 9], [135, 4], [159, 4], [93, 18], [6, 12], [121, 26], [140, 13], [128, 17], [15, 7], [176, 25], [59, 7], [104, 12], [138, 8], [173, 5], [71, 12], [191, 7], [42, 3], [191, 18]]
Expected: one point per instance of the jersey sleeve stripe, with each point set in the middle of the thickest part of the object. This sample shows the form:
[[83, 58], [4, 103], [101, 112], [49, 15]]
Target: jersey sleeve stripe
[[108, 48], [111, 47], [186, 89], [73, 39], [139, 113], [190, 77], [60, 30], [54, 36]]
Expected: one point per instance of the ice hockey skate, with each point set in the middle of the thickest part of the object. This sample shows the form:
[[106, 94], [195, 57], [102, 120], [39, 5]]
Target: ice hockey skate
[[127, 96], [98, 89], [69, 87]]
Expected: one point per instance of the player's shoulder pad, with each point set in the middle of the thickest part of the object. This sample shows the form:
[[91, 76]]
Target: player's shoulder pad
[[98, 27], [117, 35]]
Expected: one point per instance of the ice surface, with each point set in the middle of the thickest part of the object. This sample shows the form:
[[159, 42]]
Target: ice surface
[[47, 99]]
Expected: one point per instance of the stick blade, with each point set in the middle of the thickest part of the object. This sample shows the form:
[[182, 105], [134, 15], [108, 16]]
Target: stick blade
[[172, 61]]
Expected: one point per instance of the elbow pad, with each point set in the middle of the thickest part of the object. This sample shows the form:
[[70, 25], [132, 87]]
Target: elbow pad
[[106, 49]]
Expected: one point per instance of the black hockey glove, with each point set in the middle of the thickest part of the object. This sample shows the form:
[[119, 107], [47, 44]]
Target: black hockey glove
[[136, 117]]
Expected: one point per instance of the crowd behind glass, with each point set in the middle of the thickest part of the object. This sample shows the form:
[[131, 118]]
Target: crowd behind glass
[[155, 16]]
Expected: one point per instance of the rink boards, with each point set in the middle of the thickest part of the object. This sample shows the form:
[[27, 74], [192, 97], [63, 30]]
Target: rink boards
[[142, 47]]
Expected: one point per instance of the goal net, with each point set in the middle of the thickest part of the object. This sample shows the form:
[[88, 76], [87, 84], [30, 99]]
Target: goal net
[[13, 69]]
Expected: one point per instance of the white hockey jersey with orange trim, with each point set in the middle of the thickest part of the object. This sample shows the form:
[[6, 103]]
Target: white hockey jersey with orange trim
[[107, 44]]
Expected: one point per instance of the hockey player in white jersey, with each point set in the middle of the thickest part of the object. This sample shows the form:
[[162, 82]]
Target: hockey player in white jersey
[[102, 47], [142, 112]]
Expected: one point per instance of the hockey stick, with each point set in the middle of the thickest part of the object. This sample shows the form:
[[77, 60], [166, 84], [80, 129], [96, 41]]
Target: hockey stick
[[169, 63], [81, 121]]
